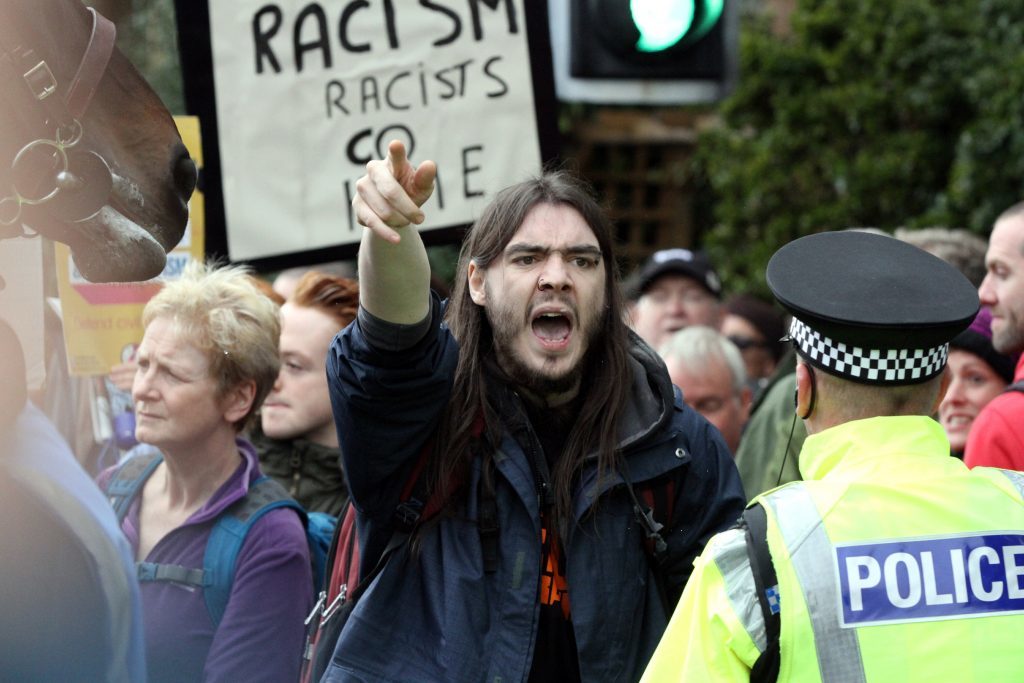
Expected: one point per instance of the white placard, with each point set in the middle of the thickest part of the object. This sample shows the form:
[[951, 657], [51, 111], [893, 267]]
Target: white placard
[[307, 92]]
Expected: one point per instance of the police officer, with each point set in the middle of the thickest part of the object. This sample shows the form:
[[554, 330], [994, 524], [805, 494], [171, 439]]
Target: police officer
[[892, 560]]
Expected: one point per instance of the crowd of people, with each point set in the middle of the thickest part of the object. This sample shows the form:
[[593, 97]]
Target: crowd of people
[[555, 475]]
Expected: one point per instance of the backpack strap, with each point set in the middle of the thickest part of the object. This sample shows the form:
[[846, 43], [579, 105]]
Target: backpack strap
[[226, 537], [125, 484], [344, 584], [228, 534], [128, 479], [755, 522], [655, 546], [155, 571], [1016, 386], [320, 532]]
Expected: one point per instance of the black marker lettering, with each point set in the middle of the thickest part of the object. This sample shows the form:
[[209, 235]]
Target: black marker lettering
[[389, 22], [467, 170], [387, 134], [320, 43], [335, 94], [350, 148], [448, 12], [346, 15], [510, 12], [369, 93], [387, 91], [499, 79], [261, 36]]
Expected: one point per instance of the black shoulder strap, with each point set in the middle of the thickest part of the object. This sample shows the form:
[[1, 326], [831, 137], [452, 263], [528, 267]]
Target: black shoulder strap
[[1016, 386], [655, 547], [755, 520]]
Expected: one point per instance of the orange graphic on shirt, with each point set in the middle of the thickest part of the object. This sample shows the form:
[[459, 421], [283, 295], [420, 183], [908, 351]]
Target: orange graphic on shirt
[[554, 589]]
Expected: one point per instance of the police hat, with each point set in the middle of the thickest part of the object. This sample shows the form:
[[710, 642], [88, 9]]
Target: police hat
[[692, 264], [870, 308]]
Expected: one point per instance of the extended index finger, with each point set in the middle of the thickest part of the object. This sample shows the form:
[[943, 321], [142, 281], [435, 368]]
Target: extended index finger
[[398, 160], [387, 195]]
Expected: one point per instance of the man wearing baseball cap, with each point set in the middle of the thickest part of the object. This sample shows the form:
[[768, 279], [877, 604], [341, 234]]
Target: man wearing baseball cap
[[673, 289], [869, 568]]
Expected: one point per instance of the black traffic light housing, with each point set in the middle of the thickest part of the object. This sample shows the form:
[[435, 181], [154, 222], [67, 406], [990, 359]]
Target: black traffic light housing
[[604, 37]]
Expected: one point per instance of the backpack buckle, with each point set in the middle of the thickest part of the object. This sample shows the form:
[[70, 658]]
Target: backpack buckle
[[336, 604], [407, 513], [146, 571]]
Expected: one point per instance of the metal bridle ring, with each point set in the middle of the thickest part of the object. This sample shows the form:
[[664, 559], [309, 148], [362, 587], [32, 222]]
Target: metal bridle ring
[[10, 216], [75, 130], [60, 148]]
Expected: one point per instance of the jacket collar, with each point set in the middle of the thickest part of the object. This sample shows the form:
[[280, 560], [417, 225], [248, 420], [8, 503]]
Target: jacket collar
[[872, 442], [309, 450], [652, 397], [232, 490]]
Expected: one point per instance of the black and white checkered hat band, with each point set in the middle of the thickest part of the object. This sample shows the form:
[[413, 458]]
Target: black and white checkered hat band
[[872, 366]]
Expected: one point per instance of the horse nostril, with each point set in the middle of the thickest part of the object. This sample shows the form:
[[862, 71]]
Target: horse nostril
[[185, 175]]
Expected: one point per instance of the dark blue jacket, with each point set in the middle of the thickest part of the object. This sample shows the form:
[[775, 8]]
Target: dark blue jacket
[[436, 615]]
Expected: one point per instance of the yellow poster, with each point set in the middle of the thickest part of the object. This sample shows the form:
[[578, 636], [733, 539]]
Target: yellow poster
[[103, 321]]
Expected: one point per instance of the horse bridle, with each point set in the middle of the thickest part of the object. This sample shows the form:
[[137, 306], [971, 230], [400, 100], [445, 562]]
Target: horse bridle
[[73, 184]]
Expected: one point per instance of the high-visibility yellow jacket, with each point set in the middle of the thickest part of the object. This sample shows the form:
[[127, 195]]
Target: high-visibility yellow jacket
[[895, 563]]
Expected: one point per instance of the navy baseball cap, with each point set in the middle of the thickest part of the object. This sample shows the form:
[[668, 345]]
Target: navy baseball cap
[[692, 264]]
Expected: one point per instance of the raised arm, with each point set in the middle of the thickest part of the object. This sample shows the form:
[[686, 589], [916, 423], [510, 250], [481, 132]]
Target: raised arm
[[394, 274]]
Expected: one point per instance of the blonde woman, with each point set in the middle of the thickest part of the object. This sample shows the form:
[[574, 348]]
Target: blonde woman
[[208, 358]]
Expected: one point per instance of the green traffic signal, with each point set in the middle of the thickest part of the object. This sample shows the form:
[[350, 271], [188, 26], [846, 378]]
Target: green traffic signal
[[663, 23]]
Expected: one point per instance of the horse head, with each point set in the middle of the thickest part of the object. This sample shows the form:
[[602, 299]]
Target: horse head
[[111, 178]]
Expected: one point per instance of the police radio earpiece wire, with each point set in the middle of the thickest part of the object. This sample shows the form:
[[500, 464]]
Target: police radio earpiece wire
[[789, 441], [792, 425]]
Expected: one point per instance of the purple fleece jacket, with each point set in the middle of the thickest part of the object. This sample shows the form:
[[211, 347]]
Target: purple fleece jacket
[[261, 634]]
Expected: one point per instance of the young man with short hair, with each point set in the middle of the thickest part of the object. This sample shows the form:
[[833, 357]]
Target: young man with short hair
[[297, 442]]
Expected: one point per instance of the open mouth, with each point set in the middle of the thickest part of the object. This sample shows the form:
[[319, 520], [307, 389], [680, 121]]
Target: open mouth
[[552, 328]]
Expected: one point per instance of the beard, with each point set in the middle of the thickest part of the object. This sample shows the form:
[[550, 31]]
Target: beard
[[506, 324], [1010, 339]]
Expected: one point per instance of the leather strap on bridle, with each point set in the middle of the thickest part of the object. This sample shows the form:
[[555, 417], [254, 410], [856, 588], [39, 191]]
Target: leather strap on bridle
[[62, 114], [39, 79], [94, 64]]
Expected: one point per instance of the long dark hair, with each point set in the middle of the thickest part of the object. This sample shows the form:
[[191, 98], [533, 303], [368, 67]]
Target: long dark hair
[[607, 361]]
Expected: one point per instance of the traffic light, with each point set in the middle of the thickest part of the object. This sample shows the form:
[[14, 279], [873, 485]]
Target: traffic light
[[649, 40]]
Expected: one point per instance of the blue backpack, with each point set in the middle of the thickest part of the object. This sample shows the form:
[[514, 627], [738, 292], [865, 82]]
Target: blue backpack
[[228, 533]]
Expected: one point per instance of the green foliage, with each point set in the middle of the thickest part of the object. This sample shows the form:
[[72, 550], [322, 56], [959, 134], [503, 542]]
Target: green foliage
[[869, 113], [148, 39]]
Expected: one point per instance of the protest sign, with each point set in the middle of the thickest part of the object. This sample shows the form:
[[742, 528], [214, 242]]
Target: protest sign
[[306, 93]]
